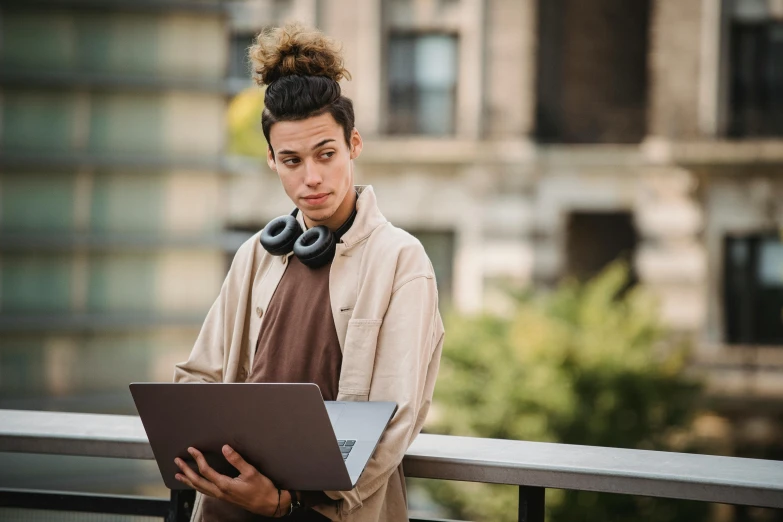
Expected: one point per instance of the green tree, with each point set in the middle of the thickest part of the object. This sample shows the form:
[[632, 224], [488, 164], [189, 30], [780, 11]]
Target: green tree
[[245, 135], [585, 364]]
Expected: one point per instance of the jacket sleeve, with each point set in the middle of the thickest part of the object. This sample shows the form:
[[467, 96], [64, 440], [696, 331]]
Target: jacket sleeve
[[206, 361], [406, 364]]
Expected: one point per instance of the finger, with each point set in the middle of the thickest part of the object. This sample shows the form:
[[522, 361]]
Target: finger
[[188, 472], [207, 472], [186, 468], [198, 482], [236, 460], [184, 480]]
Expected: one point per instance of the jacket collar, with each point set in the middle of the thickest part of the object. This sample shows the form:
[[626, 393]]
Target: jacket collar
[[368, 217]]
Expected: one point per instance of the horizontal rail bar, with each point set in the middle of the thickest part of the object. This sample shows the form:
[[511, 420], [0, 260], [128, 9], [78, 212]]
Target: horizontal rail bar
[[113, 504], [81, 434], [85, 503], [706, 478]]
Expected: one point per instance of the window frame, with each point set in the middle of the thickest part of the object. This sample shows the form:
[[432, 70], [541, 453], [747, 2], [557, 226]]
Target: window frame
[[388, 124]]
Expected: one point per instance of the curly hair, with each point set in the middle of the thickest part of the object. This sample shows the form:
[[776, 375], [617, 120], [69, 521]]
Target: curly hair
[[301, 69], [295, 50]]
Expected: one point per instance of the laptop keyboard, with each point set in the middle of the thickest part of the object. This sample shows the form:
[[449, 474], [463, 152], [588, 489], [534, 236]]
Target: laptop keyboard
[[345, 447]]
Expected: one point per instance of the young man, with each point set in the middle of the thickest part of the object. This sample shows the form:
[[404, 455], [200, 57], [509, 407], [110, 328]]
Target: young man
[[363, 324]]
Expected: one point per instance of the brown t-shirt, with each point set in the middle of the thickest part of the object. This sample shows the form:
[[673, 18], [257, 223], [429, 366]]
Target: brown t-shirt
[[298, 343]]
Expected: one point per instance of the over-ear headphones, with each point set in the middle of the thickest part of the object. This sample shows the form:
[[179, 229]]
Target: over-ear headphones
[[314, 248]]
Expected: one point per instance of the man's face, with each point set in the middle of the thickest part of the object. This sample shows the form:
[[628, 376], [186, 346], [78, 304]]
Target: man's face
[[315, 166]]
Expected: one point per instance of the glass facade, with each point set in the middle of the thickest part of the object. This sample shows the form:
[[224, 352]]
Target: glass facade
[[98, 249]]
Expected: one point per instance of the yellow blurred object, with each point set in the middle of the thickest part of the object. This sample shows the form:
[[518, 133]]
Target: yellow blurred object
[[246, 138]]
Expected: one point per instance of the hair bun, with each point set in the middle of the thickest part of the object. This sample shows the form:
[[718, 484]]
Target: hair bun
[[295, 50]]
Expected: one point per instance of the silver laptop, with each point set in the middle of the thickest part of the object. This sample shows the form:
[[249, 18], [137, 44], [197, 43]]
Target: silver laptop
[[287, 431]]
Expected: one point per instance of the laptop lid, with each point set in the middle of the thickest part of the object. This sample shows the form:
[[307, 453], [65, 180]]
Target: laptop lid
[[283, 429]]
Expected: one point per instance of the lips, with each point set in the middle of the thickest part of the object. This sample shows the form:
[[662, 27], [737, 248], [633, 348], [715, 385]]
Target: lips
[[316, 199]]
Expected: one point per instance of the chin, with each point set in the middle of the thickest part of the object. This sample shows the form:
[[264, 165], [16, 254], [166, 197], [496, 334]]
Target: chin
[[320, 216]]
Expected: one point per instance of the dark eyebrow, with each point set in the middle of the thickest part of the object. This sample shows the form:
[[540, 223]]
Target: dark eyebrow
[[316, 146], [322, 143]]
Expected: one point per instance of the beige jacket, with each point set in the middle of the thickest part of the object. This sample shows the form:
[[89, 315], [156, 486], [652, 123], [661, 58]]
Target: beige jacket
[[385, 308]]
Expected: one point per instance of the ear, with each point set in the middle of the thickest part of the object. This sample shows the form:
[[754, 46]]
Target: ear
[[270, 159], [356, 143]]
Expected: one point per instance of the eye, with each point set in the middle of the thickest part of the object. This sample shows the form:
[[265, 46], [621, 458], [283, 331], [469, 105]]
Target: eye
[[291, 161], [327, 154]]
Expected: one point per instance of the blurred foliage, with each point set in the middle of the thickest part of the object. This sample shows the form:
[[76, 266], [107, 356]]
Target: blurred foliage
[[246, 137], [585, 364]]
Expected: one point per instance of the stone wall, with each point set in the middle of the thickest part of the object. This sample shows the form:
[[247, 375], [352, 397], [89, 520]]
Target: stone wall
[[674, 62]]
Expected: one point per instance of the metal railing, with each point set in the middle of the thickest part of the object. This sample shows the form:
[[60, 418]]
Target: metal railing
[[533, 466]]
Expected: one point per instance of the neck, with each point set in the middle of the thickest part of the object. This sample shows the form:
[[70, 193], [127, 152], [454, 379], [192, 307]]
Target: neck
[[340, 216]]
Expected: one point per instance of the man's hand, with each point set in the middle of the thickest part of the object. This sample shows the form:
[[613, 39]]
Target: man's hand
[[250, 490]]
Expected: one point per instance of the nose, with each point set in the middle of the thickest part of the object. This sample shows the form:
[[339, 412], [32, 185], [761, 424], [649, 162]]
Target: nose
[[312, 173]]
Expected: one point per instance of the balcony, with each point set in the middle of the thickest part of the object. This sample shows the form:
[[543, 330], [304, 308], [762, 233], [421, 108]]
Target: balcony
[[532, 466]]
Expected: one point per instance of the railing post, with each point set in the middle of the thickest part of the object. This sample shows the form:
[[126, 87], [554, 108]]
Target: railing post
[[531, 504], [181, 507]]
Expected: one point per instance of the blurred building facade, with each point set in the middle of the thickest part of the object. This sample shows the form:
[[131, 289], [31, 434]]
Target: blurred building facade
[[527, 140], [110, 254], [520, 140]]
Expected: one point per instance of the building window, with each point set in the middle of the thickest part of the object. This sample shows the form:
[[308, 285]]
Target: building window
[[238, 61], [592, 78], [753, 289], [422, 83], [757, 78], [36, 121], [440, 247]]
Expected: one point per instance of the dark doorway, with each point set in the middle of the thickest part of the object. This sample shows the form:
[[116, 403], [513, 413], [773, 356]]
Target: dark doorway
[[592, 71], [595, 239]]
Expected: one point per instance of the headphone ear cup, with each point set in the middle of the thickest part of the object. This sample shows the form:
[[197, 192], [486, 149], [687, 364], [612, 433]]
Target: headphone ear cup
[[280, 235], [316, 247]]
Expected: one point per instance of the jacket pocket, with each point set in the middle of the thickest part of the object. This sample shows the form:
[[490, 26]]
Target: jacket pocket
[[361, 340]]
